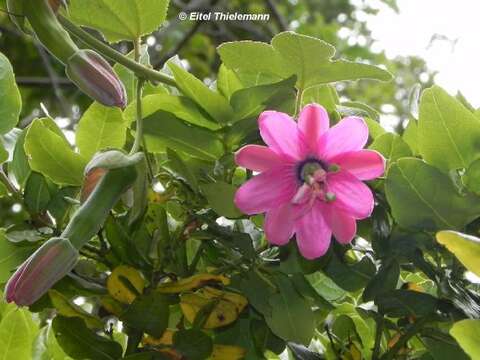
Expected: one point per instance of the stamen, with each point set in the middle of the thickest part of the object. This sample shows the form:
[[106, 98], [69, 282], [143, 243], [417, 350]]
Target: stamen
[[329, 197]]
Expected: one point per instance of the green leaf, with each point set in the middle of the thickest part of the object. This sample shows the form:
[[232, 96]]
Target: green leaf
[[70, 310], [211, 101], [119, 19], [467, 334], [448, 133], [10, 100], [293, 54], [178, 167], [465, 247], [148, 313], [471, 179], [413, 184], [17, 334], [220, 197], [444, 348], [37, 193], [350, 277], [100, 128], [391, 146], [193, 344], [164, 130], [292, 318], [11, 256], [400, 303], [251, 101], [50, 155], [385, 280], [180, 106], [79, 342]]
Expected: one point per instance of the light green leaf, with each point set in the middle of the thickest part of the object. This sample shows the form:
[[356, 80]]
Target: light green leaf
[[3, 155], [467, 334], [19, 166], [293, 54], [220, 197], [37, 194], [325, 95], [164, 130], [51, 155], [11, 256], [100, 128], [17, 334], [471, 178], [465, 247], [410, 136], [391, 146], [448, 133], [413, 184], [211, 101], [180, 106], [228, 82], [120, 19], [10, 100]]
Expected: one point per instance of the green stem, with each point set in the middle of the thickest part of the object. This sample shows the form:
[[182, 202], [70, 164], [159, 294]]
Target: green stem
[[412, 331], [298, 102], [139, 70], [139, 130], [10, 188]]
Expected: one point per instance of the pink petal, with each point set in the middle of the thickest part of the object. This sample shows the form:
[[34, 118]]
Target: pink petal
[[257, 158], [350, 134], [344, 227], [281, 134], [313, 122], [313, 234], [279, 223], [352, 196], [267, 190], [363, 164]]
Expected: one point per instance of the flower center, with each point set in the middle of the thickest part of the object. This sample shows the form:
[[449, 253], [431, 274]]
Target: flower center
[[312, 175]]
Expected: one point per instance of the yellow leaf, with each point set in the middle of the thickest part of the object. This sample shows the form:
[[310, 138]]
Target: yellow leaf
[[226, 306], [227, 352], [166, 339], [465, 247], [112, 306], [191, 283], [119, 281]]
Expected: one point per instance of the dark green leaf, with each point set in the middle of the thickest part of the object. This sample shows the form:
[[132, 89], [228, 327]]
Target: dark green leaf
[[193, 344], [400, 303]]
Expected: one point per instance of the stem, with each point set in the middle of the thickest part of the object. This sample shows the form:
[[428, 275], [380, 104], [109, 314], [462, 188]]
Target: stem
[[139, 70], [378, 338], [412, 331], [139, 130], [10, 188], [298, 102]]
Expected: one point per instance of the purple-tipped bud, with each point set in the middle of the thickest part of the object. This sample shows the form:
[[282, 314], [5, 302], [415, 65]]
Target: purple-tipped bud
[[96, 78], [50, 263]]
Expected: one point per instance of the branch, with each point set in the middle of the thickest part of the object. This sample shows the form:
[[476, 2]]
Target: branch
[[280, 20], [41, 81]]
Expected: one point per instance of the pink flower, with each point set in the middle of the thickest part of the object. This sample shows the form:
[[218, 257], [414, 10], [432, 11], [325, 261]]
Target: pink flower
[[310, 181]]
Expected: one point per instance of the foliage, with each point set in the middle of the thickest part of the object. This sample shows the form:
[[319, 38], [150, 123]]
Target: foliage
[[176, 270]]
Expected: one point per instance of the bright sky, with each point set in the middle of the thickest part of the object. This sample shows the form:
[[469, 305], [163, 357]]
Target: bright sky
[[456, 55]]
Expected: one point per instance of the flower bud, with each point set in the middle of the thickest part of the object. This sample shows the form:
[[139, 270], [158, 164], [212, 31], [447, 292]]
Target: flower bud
[[96, 78], [50, 263]]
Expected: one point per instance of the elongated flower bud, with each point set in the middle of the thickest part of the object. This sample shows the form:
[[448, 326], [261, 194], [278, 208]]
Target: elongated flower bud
[[51, 262], [96, 78]]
